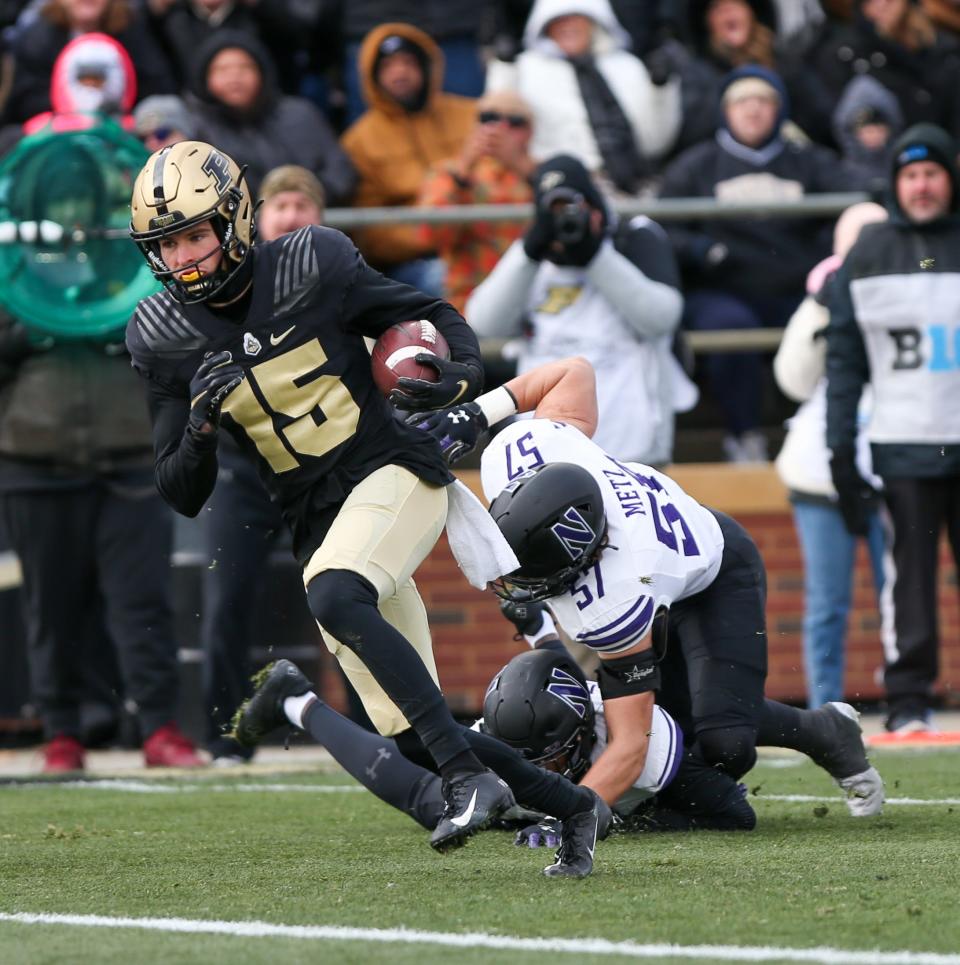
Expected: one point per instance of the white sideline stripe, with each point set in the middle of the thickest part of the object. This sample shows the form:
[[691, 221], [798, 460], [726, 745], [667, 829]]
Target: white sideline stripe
[[574, 946], [146, 787], [890, 800]]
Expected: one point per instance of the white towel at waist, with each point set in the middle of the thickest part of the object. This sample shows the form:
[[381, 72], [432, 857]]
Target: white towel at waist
[[475, 539]]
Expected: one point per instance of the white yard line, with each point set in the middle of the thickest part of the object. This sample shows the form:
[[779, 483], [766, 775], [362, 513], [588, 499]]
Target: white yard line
[[571, 946], [150, 787]]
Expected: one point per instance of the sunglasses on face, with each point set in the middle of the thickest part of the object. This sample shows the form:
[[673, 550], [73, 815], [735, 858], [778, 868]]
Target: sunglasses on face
[[494, 117], [160, 133]]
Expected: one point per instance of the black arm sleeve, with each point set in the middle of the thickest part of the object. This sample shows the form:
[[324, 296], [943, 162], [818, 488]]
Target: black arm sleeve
[[186, 464], [847, 366], [373, 303]]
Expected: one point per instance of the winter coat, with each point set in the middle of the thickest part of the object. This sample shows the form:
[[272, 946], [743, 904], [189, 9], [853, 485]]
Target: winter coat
[[73, 411], [392, 148], [277, 130], [768, 256], [35, 52], [277, 24], [702, 71], [861, 94], [925, 82], [546, 79], [895, 323]]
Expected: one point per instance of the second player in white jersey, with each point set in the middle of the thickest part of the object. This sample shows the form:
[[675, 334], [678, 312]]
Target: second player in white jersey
[[662, 545]]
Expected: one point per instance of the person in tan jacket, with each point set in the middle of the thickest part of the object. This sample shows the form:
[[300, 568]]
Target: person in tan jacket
[[410, 124]]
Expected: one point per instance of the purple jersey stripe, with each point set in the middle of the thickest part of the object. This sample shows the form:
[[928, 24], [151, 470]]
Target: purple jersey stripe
[[674, 757], [634, 629], [621, 618]]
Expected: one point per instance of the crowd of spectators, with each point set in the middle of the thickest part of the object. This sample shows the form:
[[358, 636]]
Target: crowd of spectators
[[444, 102]]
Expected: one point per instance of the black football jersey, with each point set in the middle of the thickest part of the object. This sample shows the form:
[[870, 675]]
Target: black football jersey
[[308, 410]]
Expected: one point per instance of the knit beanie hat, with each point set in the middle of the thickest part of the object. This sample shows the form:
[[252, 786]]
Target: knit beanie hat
[[293, 177]]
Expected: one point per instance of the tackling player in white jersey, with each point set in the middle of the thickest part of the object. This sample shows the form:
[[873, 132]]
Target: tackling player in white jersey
[[670, 594]]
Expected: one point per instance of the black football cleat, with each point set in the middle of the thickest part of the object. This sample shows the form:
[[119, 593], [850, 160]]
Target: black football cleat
[[578, 839], [471, 804], [263, 712]]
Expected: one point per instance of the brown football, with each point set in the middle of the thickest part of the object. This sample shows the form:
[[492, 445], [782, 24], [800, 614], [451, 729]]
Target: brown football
[[395, 351]]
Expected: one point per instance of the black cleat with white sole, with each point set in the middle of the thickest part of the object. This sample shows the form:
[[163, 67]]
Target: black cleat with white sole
[[471, 804], [578, 839], [263, 712]]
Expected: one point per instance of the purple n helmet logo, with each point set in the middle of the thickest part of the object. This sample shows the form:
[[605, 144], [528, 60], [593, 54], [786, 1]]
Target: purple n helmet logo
[[569, 690], [574, 533]]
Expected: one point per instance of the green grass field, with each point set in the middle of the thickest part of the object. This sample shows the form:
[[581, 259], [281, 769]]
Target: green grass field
[[224, 849]]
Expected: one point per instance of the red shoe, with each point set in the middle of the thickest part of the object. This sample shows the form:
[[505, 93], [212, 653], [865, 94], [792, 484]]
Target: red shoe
[[168, 747], [63, 754]]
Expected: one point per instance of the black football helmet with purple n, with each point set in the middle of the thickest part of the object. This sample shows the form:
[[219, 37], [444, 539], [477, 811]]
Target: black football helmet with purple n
[[553, 518], [539, 704]]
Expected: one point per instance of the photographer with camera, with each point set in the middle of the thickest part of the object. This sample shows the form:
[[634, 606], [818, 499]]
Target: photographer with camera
[[581, 283]]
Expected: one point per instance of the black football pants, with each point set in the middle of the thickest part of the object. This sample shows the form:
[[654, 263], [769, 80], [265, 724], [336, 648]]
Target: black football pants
[[715, 667]]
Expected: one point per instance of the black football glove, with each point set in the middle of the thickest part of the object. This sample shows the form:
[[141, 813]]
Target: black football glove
[[545, 834], [457, 381], [856, 498], [456, 430], [525, 615], [216, 377]]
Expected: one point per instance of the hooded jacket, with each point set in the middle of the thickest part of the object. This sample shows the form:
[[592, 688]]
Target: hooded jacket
[[36, 49], [768, 256], [895, 322], [392, 149], [863, 94], [703, 71], [275, 130], [74, 103], [547, 81]]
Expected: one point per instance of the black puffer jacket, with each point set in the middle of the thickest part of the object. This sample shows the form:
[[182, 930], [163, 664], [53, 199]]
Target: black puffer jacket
[[276, 130]]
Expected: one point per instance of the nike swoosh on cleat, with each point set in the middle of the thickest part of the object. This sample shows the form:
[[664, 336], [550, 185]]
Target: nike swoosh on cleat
[[462, 820], [463, 388], [277, 339]]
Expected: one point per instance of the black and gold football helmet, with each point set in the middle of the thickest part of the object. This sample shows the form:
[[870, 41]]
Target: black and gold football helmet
[[181, 186]]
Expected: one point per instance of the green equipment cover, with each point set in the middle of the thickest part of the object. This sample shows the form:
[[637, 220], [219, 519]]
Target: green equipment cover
[[67, 265]]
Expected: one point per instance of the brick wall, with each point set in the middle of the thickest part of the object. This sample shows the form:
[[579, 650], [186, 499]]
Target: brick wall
[[472, 641]]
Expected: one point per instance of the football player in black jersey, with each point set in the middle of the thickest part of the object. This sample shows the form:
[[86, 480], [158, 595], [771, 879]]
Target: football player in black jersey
[[267, 342]]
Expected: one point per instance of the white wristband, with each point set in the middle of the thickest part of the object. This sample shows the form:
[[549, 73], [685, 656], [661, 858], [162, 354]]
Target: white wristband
[[547, 629], [497, 405]]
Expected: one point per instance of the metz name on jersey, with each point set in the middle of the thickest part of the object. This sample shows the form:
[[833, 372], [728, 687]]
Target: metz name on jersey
[[663, 545]]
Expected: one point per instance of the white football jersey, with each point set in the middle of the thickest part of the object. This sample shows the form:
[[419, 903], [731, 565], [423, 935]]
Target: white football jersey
[[664, 751], [663, 545]]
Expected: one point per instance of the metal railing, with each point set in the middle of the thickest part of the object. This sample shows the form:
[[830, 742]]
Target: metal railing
[[660, 209]]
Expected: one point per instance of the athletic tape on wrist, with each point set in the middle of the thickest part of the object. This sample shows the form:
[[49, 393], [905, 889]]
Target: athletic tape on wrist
[[547, 628], [497, 405]]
